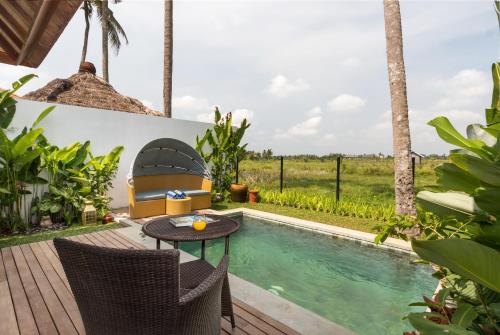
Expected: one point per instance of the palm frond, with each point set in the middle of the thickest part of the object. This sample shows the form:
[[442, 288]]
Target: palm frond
[[115, 30]]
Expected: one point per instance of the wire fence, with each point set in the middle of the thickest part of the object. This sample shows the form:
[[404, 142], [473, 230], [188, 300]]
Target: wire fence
[[367, 180]]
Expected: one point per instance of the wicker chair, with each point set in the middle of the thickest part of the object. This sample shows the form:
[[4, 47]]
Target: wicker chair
[[139, 291]]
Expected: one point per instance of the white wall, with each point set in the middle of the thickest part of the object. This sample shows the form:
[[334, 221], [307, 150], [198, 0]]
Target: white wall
[[106, 129]]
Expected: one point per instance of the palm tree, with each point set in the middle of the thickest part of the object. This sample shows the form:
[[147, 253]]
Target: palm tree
[[403, 178], [111, 31], [497, 9], [103, 13], [87, 10], [167, 59]]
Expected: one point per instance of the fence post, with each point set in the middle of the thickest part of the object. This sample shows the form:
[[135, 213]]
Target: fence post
[[281, 175], [237, 168], [337, 186], [413, 169]]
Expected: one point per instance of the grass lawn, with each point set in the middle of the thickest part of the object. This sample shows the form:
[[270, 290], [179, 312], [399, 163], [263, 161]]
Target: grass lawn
[[366, 180], [360, 224], [8, 241]]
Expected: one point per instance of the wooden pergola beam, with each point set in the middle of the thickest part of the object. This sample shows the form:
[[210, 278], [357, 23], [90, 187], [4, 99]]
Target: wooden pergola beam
[[30, 28]]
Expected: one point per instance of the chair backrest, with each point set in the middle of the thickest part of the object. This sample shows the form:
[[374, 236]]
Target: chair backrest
[[171, 181], [122, 291]]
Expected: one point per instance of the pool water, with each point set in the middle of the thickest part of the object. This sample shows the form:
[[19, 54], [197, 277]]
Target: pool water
[[360, 287]]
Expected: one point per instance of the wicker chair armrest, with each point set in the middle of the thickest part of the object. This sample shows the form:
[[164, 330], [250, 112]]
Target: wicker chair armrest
[[200, 308], [210, 283]]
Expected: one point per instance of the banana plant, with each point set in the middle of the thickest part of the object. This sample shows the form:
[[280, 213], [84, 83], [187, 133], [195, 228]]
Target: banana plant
[[225, 149], [100, 172], [461, 229], [19, 158]]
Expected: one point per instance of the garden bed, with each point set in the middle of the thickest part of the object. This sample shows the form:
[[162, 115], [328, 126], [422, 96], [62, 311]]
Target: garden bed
[[49, 234]]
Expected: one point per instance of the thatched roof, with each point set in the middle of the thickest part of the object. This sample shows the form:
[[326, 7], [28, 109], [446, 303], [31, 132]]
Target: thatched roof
[[88, 90]]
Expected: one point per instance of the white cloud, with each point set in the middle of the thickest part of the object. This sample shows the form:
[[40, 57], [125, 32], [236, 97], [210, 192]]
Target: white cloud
[[205, 117], [463, 116], [314, 111], [346, 103], [350, 62], [303, 129], [238, 115], [329, 137], [463, 90], [282, 87], [242, 113], [188, 102]]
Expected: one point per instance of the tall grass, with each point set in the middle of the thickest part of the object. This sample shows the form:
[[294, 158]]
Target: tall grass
[[366, 187], [321, 203]]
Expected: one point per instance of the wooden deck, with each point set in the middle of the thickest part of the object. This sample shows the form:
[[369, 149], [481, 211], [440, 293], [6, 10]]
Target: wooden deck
[[35, 297]]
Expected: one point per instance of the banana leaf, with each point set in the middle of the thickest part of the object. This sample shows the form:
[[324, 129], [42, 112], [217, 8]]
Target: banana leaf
[[467, 258]]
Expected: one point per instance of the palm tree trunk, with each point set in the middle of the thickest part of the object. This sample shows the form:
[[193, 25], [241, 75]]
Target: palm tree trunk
[[86, 11], [403, 179], [105, 73], [167, 59]]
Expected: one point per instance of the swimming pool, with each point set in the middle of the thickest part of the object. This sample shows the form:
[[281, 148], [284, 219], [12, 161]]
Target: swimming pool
[[360, 287]]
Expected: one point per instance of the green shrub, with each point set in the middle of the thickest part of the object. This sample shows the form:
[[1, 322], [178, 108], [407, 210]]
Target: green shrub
[[74, 174]]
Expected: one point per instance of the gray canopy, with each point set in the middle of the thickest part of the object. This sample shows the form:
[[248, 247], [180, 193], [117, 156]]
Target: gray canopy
[[169, 156]]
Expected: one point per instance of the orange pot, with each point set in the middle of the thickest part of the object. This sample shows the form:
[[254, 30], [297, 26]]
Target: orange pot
[[253, 196], [239, 192]]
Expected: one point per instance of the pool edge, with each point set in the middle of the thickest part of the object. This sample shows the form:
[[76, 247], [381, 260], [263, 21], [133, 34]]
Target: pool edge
[[336, 231]]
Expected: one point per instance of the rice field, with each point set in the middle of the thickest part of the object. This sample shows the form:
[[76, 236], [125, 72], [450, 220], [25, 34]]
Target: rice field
[[366, 184]]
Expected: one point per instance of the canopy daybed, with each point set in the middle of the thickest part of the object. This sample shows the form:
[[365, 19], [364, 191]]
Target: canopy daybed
[[163, 165]]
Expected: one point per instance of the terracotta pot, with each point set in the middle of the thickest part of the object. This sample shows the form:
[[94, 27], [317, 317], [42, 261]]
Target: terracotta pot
[[239, 192], [46, 222], [253, 196]]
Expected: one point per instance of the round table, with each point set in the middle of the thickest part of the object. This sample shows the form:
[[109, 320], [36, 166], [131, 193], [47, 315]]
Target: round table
[[162, 230]]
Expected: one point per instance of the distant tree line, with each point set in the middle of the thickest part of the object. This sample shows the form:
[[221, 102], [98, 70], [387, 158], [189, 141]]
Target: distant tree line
[[267, 154]]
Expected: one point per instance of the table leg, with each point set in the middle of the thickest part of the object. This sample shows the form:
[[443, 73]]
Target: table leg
[[203, 249], [226, 245], [157, 244], [176, 244]]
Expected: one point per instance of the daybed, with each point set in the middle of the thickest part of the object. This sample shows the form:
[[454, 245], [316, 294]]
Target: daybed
[[163, 165]]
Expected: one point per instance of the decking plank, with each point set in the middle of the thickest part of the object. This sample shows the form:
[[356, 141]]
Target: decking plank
[[40, 311], [265, 318], [123, 237], [248, 327], [63, 293], [105, 242], [24, 315], [226, 325], [117, 243], [42, 302], [253, 321], [53, 258], [97, 241], [8, 321], [59, 316], [50, 243]]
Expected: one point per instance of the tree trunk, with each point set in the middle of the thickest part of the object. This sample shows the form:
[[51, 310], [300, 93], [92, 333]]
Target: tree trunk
[[167, 59], [403, 179], [86, 10], [105, 73]]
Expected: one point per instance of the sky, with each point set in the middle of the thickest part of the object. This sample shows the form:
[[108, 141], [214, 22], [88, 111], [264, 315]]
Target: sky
[[310, 76]]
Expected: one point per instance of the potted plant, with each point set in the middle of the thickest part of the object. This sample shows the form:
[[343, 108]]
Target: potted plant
[[224, 142], [239, 192], [253, 196]]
